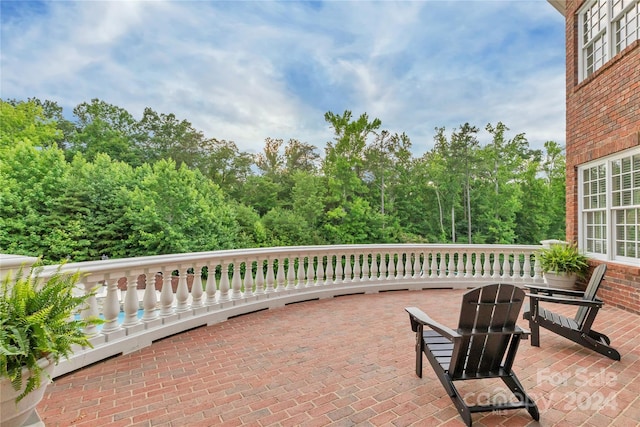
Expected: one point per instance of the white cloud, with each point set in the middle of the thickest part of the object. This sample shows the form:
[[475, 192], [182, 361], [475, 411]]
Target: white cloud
[[244, 71]]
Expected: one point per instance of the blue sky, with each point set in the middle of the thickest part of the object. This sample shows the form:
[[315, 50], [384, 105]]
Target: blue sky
[[248, 70]]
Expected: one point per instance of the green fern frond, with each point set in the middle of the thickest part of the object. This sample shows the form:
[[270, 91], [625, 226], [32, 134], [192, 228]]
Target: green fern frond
[[35, 323]]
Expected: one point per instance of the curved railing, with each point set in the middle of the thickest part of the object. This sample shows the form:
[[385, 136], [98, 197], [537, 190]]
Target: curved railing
[[148, 298]]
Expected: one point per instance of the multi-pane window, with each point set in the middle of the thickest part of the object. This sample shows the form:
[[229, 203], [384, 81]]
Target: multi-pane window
[[594, 204], [610, 207], [606, 28]]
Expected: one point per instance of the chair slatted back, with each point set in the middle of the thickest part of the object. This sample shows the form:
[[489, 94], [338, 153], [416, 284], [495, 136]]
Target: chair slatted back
[[493, 308], [590, 291]]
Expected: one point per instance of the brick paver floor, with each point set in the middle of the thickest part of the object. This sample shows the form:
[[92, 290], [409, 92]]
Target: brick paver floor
[[346, 361]]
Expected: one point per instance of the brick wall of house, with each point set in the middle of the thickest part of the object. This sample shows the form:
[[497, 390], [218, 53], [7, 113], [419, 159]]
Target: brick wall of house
[[603, 117]]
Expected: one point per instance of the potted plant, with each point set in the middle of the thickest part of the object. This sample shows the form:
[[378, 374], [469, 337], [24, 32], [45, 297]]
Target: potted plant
[[562, 263], [37, 329]]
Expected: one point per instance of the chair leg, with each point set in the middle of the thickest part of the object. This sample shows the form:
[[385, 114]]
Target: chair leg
[[419, 345], [462, 408], [516, 388], [534, 327], [600, 346], [418, 361]]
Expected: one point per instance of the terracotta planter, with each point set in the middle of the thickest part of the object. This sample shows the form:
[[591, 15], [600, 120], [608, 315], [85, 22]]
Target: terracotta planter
[[560, 280], [12, 415]]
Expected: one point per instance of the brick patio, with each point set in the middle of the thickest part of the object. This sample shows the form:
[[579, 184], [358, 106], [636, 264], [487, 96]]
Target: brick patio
[[346, 361]]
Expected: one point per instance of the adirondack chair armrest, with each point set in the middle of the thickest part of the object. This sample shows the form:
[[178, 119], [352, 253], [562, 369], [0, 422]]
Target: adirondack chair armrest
[[551, 291], [420, 317], [569, 301]]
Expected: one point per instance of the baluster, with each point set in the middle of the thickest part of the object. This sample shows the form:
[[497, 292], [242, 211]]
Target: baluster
[[347, 268], [516, 266], [366, 269], [391, 269], [526, 274], [212, 287], [487, 265], [223, 292], [166, 294], [434, 265], [149, 298], [451, 266], [131, 302], [469, 265], [301, 274], [320, 271], [248, 278], [111, 307], [460, 266], [310, 272], [506, 267], [417, 265], [356, 268], [408, 266], [383, 266], [259, 277], [329, 269], [374, 267], [182, 292], [291, 276], [280, 276], [236, 281], [496, 266], [90, 309], [442, 268], [537, 269], [478, 266], [394, 266], [339, 270], [196, 288], [270, 277]]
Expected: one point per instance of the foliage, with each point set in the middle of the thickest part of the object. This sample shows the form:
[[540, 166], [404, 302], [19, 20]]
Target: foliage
[[563, 258], [105, 183], [35, 323]]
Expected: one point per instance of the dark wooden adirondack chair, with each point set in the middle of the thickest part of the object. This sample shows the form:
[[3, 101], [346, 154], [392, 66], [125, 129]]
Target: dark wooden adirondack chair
[[483, 346], [577, 329]]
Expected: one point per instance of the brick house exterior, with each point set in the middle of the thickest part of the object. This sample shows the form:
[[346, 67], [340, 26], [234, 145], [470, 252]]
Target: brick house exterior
[[603, 122]]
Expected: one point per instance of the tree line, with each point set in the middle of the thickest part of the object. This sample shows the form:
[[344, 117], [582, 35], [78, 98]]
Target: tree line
[[107, 185]]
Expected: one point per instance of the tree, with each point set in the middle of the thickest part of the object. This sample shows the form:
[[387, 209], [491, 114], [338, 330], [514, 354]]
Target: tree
[[176, 210], [386, 161], [106, 128], [344, 158], [26, 121], [225, 165], [167, 137], [500, 167], [270, 161]]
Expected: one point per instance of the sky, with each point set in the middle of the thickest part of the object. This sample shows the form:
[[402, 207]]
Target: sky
[[247, 70]]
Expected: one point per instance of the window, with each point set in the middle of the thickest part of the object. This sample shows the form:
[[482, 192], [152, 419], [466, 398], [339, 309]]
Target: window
[[606, 27], [609, 204]]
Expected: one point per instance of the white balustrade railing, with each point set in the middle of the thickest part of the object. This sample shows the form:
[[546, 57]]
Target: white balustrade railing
[[148, 298]]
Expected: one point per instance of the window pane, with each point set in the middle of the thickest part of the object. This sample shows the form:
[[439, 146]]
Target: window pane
[[615, 184]]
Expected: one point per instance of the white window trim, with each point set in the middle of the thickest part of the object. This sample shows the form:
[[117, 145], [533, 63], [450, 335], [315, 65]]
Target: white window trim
[[610, 36], [610, 236]]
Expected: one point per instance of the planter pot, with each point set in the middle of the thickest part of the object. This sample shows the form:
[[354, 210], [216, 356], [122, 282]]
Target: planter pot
[[560, 280], [12, 415]]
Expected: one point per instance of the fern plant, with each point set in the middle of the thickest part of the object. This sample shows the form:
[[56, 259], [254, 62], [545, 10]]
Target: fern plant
[[37, 321], [561, 258]]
